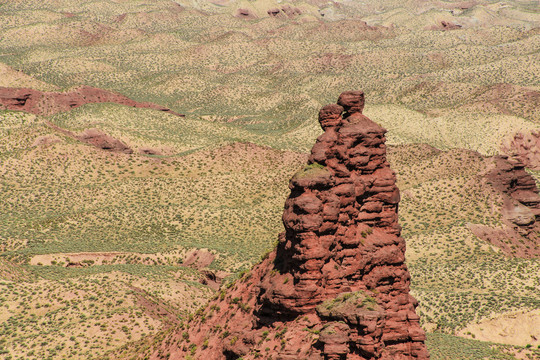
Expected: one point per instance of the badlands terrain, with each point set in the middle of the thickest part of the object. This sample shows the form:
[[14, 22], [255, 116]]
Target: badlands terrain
[[147, 148]]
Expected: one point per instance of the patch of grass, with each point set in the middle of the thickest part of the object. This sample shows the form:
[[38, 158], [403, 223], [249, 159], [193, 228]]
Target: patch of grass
[[443, 346], [311, 170]]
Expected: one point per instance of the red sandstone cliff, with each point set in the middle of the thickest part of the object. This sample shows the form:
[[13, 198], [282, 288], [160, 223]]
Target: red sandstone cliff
[[336, 287]]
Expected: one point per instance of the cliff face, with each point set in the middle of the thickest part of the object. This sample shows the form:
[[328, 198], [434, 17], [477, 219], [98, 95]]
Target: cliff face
[[520, 232], [336, 287]]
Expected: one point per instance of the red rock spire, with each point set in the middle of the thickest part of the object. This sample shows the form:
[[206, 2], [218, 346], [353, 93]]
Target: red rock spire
[[337, 281]]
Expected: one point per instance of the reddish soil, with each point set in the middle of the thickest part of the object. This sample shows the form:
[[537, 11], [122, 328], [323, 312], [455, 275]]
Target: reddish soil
[[96, 138], [48, 103], [336, 287], [245, 14], [103, 141], [154, 309], [199, 258]]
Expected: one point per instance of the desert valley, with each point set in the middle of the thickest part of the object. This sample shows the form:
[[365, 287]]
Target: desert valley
[[175, 185]]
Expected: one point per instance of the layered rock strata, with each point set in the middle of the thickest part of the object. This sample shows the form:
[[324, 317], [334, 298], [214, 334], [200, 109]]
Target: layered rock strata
[[520, 232], [48, 103], [510, 178], [336, 287], [525, 147]]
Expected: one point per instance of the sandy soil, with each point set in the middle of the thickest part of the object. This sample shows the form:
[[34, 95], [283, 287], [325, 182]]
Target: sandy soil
[[516, 328], [197, 258]]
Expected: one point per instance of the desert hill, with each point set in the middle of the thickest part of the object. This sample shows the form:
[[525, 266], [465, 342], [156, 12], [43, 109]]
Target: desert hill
[[455, 83], [265, 75]]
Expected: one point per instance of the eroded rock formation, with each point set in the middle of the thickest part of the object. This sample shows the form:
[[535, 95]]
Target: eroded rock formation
[[48, 103], [94, 137], [448, 25], [285, 11], [519, 234], [103, 141], [245, 14], [525, 147], [336, 287]]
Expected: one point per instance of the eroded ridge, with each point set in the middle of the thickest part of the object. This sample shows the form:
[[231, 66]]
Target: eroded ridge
[[49, 103], [518, 235], [336, 287]]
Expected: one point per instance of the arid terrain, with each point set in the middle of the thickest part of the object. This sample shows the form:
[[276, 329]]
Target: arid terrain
[[147, 147]]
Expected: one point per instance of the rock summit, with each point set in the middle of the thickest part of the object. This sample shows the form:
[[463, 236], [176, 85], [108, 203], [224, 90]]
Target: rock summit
[[336, 286]]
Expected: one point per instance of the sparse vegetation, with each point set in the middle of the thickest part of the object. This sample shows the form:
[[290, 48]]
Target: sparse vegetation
[[211, 187]]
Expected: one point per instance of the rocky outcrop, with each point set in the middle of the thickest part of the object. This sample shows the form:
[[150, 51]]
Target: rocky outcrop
[[336, 286], [509, 177], [525, 147], [48, 103], [520, 208], [284, 12], [245, 14], [94, 137], [448, 25], [103, 141], [290, 11], [445, 26]]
